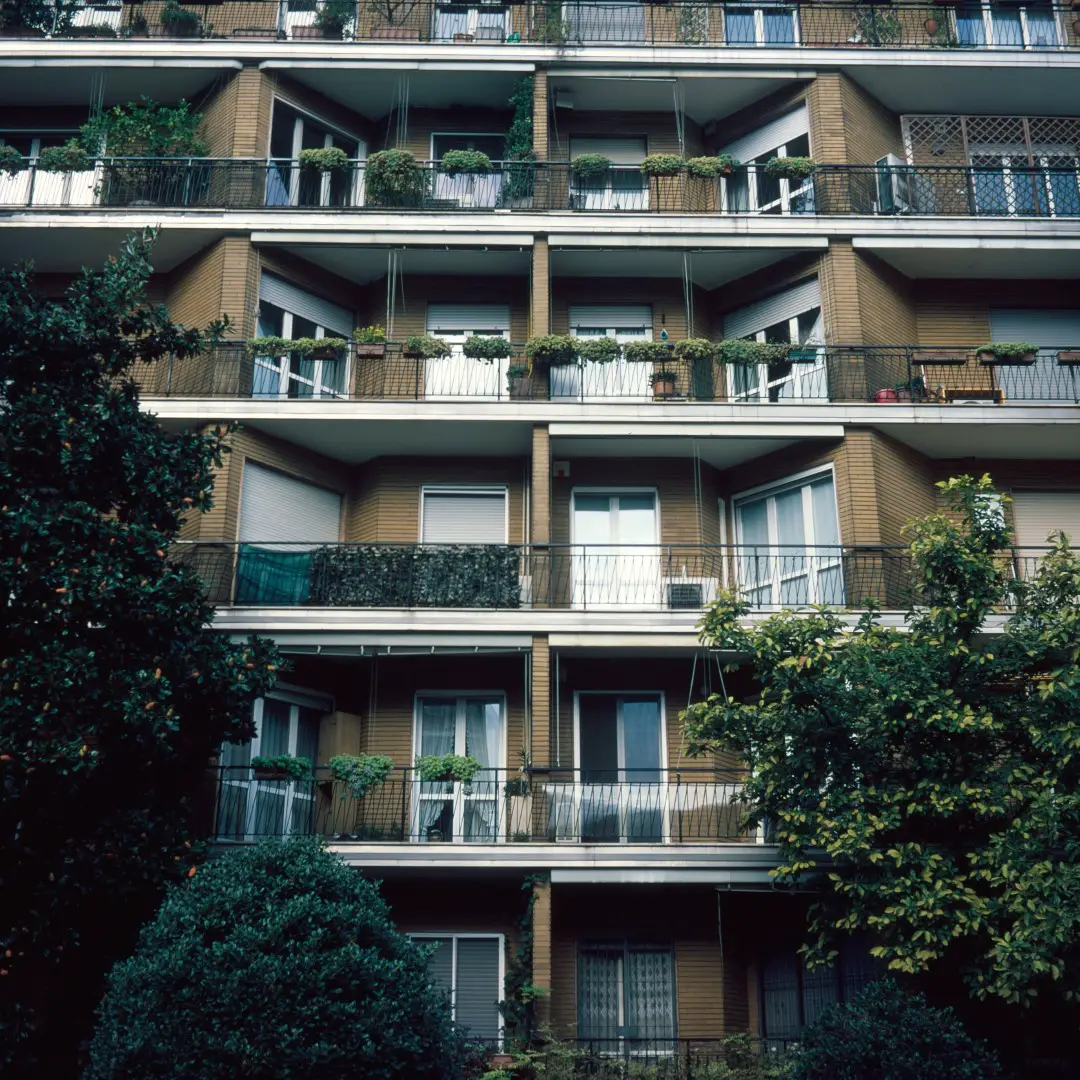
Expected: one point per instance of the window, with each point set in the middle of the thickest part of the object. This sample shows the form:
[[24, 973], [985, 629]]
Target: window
[[750, 191], [624, 323], [1009, 26], [292, 131], [1045, 381], [615, 560], [611, 22], [789, 544], [469, 968], [469, 189], [752, 24], [457, 376], [1036, 514], [626, 996], [623, 187], [485, 21], [793, 997], [1010, 183], [286, 722], [463, 516]]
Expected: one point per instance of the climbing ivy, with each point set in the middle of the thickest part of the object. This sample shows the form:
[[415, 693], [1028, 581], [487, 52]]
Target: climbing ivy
[[519, 990], [518, 152]]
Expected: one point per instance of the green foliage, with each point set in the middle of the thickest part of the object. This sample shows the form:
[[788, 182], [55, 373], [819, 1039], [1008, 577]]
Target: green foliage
[[708, 167], [662, 165], [276, 961], [293, 768], [430, 348], [278, 346], [431, 768], [519, 991], [588, 167], [1009, 350], [146, 128], [547, 349], [180, 20], [516, 371], [647, 352], [695, 350], [891, 1035], [333, 16], [361, 772], [465, 161], [70, 157], [549, 23], [394, 178], [744, 351], [369, 335], [950, 815], [487, 347], [114, 692], [599, 350], [790, 168], [36, 15], [519, 158], [662, 376], [324, 159], [11, 161], [877, 25]]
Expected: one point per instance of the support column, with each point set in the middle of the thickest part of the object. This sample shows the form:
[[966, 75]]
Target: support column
[[541, 959], [540, 115], [540, 691], [540, 492], [839, 281], [540, 287]]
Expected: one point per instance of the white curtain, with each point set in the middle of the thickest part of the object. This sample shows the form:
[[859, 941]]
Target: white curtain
[[483, 734]]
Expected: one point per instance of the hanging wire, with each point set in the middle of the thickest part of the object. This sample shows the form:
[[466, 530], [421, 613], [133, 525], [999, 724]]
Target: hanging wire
[[688, 291], [97, 93], [680, 116]]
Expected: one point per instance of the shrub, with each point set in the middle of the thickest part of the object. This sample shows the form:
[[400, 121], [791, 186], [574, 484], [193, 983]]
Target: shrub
[[591, 166], [147, 128], [70, 157], [546, 349], [743, 351], [11, 161], [180, 20], [662, 165], [274, 961], [432, 768], [360, 772], [332, 16], [465, 161], [369, 335], [891, 1035], [277, 346], [487, 348], [394, 178], [647, 352], [324, 159], [295, 768], [790, 168], [708, 167], [599, 350], [430, 348], [1009, 350], [693, 350]]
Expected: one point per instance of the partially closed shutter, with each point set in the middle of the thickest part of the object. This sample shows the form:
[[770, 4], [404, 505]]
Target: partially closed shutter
[[1043, 328], [464, 517], [276, 507], [280, 293], [625, 151], [611, 317], [468, 318], [477, 995], [776, 133], [786, 304], [1036, 514]]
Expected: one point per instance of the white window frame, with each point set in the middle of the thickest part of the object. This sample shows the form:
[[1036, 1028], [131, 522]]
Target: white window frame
[[1040, 155], [456, 935], [282, 367], [466, 489], [305, 116], [459, 796], [1025, 35], [801, 377], [608, 195], [759, 11], [623, 335], [472, 19], [813, 568], [788, 188]]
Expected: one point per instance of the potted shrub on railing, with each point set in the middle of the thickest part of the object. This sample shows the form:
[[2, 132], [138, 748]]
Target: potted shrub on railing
[[663, 382], [447, 769], [744, 351], [647, 352], [599, 350], [426, 347], [706, 168], [1069, 357], [11, 161], [698, 354], [360, 772], [324, 159], [282, 767], [71, 157], [1007, 353], [333, 17], [394, 178], [548, 350], [796, 169], [661, 165], [313, 348], [517, 381], [590, 168], [180, 21], [370, 341], [487, 348], [473, 162]]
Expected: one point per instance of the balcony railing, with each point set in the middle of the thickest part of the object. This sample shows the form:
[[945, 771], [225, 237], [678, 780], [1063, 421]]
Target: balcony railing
[[570, 577], [813, 375], [695, 23], [617, 806], [124, 184]]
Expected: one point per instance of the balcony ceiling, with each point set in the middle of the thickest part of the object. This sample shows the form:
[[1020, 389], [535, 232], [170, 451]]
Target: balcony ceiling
[[971, 257], [722, 453]]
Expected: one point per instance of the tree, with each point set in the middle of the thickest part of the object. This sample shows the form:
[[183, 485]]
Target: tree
[[933, 767], [274, 961], [113, 689], [890, 1035]]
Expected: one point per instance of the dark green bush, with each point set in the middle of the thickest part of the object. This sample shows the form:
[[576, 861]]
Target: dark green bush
[[272, 962], [888, 1034]]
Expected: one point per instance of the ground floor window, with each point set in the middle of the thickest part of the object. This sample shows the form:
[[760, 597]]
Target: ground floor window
[[469, 968]]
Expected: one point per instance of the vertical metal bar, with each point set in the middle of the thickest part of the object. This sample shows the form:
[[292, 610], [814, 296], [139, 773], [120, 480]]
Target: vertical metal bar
[[404, 809]]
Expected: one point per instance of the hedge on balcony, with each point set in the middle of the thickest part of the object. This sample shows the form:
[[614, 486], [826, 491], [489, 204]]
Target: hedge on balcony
[[453, 576]]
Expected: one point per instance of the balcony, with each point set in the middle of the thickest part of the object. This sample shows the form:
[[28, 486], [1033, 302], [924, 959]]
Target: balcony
[[571, 806], [559, 577], [885, 375], [743, 25]]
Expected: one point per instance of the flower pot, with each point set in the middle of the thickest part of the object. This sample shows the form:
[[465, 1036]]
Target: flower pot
[[1070, 358], [1076, 27], [886, 397], [395, 33], [992, 359], [324, 354], [434, 836], [412, 355], [948, 357], [520, 387], [182, 29], [464, 39], [270, 774], [664, 388], [371, 349], [519, 815], [930, 25]]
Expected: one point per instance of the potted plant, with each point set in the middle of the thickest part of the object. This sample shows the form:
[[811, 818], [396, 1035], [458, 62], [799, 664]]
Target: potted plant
[[370, 341], [333, 17], [11, 161], [138, 27], [699, 354], [487, 348], [447, 768], [268, 346], [324, 159], [281, 767], [1007, 354], [326, 348], [590, 168], [93, 30], [661, 165], [71, 157], [434, 835], [706, 168], [473, 162], [1069, 357], [647, 352], [935, 17], [180, 21], [464, 39], [394, 178], [599, 350], [517, 381], [663, 383], [426, 347], [360, 772], [744, 351], [546, 350], [796, 169], [518, 793]]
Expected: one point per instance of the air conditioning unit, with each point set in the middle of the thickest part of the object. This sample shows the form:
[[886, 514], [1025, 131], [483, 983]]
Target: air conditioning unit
[[894, 188], [688, 593]]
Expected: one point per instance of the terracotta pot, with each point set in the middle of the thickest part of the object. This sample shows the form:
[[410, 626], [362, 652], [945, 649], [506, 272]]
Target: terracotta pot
[[371, 348], [664, 388], [464, 39], [886, 397], [991, 359], [521, 387], [395, 33], [1076, 27], [956, 358], [324, 354], [1070, 358], [931, 27]]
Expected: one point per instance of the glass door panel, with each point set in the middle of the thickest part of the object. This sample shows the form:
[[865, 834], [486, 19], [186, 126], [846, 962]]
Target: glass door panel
[[616, 560]]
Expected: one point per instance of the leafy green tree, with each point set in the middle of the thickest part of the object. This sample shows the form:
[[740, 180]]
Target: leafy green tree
[[888, 1034], [932, 767], [113, 690], [274, 961]]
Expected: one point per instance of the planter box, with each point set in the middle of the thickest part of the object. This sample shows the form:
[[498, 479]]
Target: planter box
[[992, 359], [325, 354], [395, 33], [464, 39], [1069, 359], [664, 389], [803, 356], [521, 388], [949, 357], [519, 815], [370, 349], [314, 32], [979, 393], [271, 774]]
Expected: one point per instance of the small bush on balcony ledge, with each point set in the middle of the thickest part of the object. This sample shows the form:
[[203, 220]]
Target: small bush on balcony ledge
[[324, 159], [1007, 352], [394, 178], [71, 157], [320, 348], [708, 167], [369, 335], [426, 347], [11, 161], [282, 767], [455, 162], [695, 350], [487, 348], [601, 350], [742, 351], [591, 166], [646, 352], [662, 165], [361, 772], [433, 768], [544, 350], [790, 168]]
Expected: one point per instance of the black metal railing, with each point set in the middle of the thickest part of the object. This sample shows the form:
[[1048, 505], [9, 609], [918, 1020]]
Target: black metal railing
[[690, 23], [642, 806], [667, 1057], [1050, 191], [574, 577], [812, 375]]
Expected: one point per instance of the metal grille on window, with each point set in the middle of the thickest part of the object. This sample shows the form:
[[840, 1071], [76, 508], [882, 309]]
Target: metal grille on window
[[626, 997]]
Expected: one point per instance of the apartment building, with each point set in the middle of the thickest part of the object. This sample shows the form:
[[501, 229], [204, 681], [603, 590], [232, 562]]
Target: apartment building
[[506, 559]]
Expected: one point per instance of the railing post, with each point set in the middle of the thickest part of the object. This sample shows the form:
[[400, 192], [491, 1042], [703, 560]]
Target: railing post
[[404, 803], [678, 788]]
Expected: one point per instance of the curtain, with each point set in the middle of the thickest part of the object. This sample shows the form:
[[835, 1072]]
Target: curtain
[[272, 577], [598, 994], [483, 736], [438, 724], [650, 1012]]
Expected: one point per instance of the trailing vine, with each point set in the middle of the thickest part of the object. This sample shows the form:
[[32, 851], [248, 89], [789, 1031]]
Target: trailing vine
[[518, 153], [519, 990]]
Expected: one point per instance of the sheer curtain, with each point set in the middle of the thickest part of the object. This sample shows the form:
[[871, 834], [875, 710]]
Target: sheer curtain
[[438, 723], [650, 1007], [483, 736]]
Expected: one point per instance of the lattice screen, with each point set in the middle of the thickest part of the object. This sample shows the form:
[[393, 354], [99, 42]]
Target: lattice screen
[[952, 140]]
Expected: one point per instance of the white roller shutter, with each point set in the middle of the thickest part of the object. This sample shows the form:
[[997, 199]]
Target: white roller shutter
[[612, 316], [744, 321], [1036, 514], [617, 151], [775, 133], [280, 293], [468, 318], [276, 507], [1043, 328], [463, 517]]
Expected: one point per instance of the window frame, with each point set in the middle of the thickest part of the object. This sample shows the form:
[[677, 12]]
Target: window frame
[[987, 12], [303, 117], [465, 489], [759, 10], [789, 189], [287, 375]]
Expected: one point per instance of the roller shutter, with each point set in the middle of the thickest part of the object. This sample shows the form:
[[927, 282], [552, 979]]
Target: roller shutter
[[1036, 514], [745, 321], [617, 151], [279, 508], [463, 517], [612, 316], [468, 318], [776, 133], [1046, 329], [280, 293], [477, 993]]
